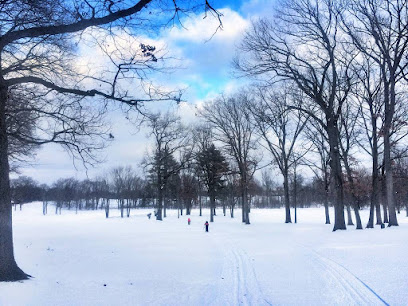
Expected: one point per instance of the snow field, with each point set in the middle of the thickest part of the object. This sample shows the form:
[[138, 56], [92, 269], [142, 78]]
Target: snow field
[[85, 259]]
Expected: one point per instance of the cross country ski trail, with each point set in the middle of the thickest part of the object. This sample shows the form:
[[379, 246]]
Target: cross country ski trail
[[240, 285], [350, 288]]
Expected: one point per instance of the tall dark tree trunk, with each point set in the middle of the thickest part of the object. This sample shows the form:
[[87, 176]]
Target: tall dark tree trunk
[[389, 182], [107, 208], [385, 210], [45, 207], [244, 200], [200, 204], [358, 219], [384, 196], [212, 206], [128, 206], [159, 204], [243, 205], [232, 206], [370, 223], [389, 102], [336, 174], [378, 213], [165, 204], [122, 207], [326, 204], [374, 182], [9, 271], [288, 219], [349, 218], [246, 204]]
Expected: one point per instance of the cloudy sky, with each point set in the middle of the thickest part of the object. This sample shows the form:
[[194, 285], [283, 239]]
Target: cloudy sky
[[206, 72]]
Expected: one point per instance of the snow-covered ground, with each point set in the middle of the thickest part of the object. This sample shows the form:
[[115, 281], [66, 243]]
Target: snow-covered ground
[[86, 259]]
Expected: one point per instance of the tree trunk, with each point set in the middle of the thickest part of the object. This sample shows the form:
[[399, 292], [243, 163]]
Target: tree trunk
[[336, 173], [326, 202], [389, 102], [385, 210], [378, 213], [287, 199], [127, 208], [358, 219], [349, 218], [107, 208], [159, 216], [374, 204], [232, 207], [390, 200], [212, 207], [45, 207], [165, 207], [246, 205], [200, 204], [243, 206], [9, 271]]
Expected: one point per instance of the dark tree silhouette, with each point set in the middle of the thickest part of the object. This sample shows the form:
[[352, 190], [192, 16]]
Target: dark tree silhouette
[[213, 167]]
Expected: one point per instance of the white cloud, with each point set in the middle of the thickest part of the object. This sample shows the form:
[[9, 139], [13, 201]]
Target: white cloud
[[205, 72], [199, 29]]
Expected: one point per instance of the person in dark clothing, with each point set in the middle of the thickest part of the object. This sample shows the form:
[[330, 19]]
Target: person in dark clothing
[[206, 224]]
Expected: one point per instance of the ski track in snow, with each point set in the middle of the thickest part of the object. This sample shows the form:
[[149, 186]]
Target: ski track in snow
[[352, 287], [239, 276], [248, 289], [239, 273]]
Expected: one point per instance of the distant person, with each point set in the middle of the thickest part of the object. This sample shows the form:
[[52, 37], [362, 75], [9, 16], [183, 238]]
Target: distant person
[[206, 224], [189, 221], [149, 215]]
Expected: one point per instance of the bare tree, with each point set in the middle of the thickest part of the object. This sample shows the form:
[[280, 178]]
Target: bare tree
[[170, 137], [302, 45], [122, 182], [203, 138], [230, 120], [279, 127], [38, 50], [348, 141], [380, 30], [369, 94], [315, 133]]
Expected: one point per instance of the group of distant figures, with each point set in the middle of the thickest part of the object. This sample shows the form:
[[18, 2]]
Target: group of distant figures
[[206, 224]]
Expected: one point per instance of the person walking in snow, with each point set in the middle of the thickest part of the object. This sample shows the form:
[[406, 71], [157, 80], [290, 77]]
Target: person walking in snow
[[206, 224], [189, 221]]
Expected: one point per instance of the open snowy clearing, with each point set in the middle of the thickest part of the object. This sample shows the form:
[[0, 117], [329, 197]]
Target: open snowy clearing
[[86, 259]]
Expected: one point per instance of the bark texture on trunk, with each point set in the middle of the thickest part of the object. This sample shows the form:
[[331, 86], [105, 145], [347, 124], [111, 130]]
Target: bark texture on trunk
[[336, 175], [9, 271]]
